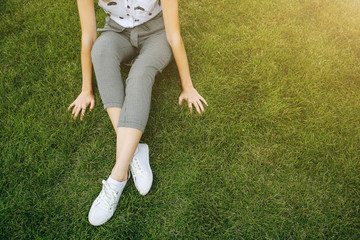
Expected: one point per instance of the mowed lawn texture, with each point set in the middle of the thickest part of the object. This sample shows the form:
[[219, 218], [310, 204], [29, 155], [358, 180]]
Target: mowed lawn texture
[[275, 156]]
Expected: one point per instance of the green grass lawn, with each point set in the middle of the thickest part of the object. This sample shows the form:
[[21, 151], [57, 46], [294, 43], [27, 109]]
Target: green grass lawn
[[275, 156]]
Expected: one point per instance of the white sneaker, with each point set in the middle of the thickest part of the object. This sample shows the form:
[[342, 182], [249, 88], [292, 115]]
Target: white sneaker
[[141, 171], [104, 205]]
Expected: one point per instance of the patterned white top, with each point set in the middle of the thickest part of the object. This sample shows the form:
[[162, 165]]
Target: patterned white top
[[131, 13]]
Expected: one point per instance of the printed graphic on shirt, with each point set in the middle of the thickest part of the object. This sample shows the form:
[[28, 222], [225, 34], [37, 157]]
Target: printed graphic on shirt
[[130, 13], [139, 8]]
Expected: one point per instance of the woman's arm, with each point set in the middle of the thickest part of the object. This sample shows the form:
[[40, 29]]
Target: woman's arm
[[172, 27], [88, 37]]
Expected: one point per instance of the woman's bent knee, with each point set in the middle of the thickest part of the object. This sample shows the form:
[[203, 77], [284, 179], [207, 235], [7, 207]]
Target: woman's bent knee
[[99, 51]]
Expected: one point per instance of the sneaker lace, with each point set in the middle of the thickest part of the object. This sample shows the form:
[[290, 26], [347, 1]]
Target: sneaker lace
[[136, 167], [107, 197]]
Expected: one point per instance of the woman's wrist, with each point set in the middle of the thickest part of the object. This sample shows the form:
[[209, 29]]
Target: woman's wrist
[[187, 87], [87, 85], [88, 91], [186, 83]]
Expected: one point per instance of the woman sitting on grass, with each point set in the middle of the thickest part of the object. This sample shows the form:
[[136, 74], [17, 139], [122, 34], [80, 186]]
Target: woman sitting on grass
[[146, 32]]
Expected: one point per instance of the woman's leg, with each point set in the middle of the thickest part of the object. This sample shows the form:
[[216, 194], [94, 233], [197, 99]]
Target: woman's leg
[[109, 50], [126, 142], [131, 120], [114, 114], [154, 55], [127, 139]]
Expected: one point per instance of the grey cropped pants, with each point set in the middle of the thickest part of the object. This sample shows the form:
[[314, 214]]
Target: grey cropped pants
[[148, 49]]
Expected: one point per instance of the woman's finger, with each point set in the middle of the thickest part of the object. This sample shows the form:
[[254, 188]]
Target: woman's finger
[[197, 107], [204, 101], [92, 104], [190, 106], [200, 105], [83, 110], [71, 105], [74, 110], [77, 112]]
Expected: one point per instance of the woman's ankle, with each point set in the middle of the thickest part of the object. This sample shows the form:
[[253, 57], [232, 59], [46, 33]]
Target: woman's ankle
[[119, 176]]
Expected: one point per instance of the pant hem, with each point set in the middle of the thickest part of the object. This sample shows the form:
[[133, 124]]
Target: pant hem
[[131, 125], [107, 105]]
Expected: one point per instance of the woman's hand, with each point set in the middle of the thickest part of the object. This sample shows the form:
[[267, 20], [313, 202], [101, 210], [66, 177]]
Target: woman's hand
[[81, 103], [193, 98]]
